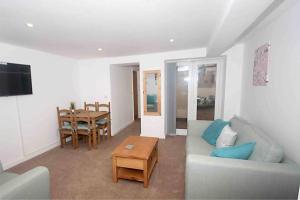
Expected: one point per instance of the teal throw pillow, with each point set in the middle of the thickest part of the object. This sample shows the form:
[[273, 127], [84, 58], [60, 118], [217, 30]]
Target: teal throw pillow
[[214, 130], [242, 151]]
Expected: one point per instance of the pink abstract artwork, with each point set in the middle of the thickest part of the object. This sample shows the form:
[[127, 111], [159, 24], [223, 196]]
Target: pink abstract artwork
[[260, 68]]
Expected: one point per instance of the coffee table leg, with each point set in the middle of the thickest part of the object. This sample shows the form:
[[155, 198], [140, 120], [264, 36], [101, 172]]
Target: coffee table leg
[[145, 173], [114, 169], [156, 152]]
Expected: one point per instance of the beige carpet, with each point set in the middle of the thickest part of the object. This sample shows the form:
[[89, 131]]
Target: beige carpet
[[83, 174]]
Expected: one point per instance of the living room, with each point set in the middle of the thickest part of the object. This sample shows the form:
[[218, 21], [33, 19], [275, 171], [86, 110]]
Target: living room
[[86, 51]]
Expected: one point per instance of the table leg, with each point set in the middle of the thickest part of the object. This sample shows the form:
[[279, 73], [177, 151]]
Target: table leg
[[156, 152], [94, 134], [95, 139], [145, 173], [114, 169]]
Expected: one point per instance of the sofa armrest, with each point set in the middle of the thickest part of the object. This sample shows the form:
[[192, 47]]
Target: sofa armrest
[[1, 167], [211, 177], [196, 127], [34, 184]]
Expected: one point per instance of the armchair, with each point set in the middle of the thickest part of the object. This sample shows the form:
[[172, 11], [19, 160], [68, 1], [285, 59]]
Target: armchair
[[33, 184]]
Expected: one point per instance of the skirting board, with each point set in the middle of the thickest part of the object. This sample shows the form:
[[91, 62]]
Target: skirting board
[[30, 155], [181, 131]]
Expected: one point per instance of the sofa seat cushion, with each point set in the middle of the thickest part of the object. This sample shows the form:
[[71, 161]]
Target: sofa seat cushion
[[5, 177], [196, 145], [266, 149]]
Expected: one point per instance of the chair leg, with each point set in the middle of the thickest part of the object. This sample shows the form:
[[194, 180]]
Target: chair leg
[[90, 141], [98, 134], [74, 139], [61, 140], [108, 132]]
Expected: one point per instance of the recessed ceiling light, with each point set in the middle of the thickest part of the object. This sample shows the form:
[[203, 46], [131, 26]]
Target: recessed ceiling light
[[30, 25], [99, 49], [171, 40]]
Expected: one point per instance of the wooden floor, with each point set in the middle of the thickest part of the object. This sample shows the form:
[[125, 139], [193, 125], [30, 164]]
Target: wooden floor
[[181, 123], [83, 174], [205, 113]]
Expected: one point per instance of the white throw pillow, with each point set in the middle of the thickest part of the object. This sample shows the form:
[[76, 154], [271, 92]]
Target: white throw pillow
[[227, 137]]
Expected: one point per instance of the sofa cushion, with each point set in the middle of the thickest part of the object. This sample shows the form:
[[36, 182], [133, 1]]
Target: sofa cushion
[[211, 134], [242, 151], [196, 145], [227, 137], [5, 177], [266, 149]]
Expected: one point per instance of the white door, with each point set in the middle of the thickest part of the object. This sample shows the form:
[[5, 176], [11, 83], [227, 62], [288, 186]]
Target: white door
[[201, 86]]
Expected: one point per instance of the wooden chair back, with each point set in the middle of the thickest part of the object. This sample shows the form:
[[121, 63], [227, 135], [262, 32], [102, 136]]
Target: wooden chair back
[[91, 107], [64, 116], [79, 119], [104, 107]]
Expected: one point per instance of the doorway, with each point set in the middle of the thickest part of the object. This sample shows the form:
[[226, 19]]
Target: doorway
[[122, 94], [136, 96], [198, 93]]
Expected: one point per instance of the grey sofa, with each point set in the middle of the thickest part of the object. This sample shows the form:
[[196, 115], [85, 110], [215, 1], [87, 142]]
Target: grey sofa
[[260, 177], [34, 184]]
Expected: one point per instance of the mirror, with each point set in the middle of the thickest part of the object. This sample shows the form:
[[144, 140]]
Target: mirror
[[152, 99]]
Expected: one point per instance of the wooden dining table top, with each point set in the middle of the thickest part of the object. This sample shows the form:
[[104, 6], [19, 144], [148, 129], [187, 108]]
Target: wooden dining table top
[[92, 114]]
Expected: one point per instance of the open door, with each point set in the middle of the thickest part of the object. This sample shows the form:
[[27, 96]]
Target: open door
[[135, 95]]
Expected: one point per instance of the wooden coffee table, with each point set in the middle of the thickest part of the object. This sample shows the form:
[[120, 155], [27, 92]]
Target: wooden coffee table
[[136, 163]]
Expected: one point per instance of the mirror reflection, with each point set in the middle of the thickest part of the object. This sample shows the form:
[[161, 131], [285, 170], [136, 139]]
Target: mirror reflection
[[152, 92]]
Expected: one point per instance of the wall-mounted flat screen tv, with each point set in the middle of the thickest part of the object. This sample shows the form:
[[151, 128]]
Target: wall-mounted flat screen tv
[[15, 79]]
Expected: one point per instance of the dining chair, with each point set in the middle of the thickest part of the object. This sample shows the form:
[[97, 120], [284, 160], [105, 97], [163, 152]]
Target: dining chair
[[83, 127], [66, 126], [91, 107], [102, 124]]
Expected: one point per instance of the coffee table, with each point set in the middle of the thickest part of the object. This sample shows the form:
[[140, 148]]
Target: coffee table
[[136, 163]]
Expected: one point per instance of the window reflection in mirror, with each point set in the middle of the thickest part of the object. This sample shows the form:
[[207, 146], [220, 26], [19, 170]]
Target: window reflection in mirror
[[152, 92]]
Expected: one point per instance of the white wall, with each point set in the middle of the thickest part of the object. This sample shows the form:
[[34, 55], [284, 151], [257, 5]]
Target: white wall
[[233, 79], [99, 70], [93, 81], [121, 78], [276, 107], [29, 123]]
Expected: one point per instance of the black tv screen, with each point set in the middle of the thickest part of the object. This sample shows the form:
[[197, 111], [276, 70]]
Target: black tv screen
[[15, 79]]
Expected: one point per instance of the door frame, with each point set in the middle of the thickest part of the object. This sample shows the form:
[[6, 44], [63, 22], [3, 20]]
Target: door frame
[[192, 92]]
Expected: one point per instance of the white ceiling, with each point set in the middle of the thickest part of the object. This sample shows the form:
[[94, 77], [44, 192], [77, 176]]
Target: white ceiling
[[77, 28]]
